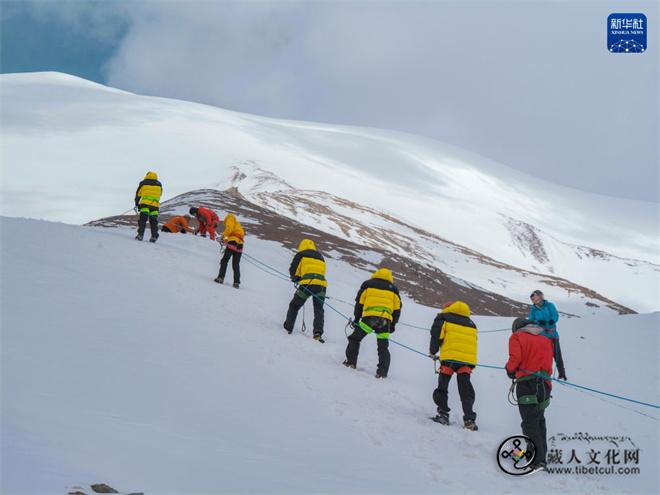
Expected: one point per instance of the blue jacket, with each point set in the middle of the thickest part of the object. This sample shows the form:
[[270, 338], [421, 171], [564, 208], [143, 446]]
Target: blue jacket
[[546, 317]]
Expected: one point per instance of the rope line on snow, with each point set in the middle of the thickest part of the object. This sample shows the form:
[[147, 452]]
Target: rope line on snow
[[412, 349], [611, 402], [410, 325], [276, 273]]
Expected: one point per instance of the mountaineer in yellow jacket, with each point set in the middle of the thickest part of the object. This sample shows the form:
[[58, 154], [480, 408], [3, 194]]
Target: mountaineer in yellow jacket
[[147, 202], [454, 334], [307, 270], [377, 310], [232, 237]]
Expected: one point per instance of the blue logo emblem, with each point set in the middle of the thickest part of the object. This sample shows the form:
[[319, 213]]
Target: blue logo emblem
[[626, 33]]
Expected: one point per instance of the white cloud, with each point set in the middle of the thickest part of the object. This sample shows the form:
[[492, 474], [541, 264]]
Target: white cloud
[[529, 84]]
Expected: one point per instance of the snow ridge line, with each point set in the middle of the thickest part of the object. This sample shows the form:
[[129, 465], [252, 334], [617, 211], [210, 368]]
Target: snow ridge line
[[277, 273]]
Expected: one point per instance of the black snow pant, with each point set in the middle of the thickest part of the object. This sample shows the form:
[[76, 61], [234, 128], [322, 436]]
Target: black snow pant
[[559, 360], [150, 213], [233, 251], [381, 327], [304, 292], [465, 389], [533, 397]]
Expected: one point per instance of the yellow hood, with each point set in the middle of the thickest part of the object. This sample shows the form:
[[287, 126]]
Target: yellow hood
[[458, 308], [151, 175], [384, 274], [306, 244]]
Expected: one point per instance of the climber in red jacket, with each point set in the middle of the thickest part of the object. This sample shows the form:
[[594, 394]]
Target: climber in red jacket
[[207, 220], [530, 365]]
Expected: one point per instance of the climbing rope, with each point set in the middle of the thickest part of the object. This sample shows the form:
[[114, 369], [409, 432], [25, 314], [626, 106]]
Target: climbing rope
[[595, 396], [283, 276]]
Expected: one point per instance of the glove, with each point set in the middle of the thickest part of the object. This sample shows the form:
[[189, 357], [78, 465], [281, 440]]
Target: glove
[[295, 280], [356, 324], [511, 374], [562, 375], [435, 357], [392, 328], [552, 323]]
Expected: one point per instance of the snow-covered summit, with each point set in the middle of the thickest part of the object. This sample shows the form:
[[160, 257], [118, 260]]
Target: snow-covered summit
[[74, 150]]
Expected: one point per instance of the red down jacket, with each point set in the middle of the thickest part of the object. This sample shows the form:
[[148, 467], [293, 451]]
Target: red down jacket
[[529, 352]]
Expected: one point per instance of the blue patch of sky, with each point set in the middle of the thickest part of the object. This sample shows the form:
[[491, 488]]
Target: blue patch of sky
[[30, 43]]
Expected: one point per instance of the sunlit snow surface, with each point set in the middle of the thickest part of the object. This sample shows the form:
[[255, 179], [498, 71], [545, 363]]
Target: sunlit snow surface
[[124, 363], [74, 151]]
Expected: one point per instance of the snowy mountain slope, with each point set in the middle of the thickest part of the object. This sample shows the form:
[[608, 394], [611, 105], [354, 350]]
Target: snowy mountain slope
[[587, 266], [429, 271], [87, 145], [597, 270], [123, 363], [425, 285]]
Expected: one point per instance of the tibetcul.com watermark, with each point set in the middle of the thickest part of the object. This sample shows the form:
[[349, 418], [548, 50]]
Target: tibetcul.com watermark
[[572, 454], [586, 454]]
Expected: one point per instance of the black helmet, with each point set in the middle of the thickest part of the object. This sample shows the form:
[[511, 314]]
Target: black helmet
[[193, 210], [519, 323]]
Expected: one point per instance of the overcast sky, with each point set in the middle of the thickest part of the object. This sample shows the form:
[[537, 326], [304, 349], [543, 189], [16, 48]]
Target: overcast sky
[[529, 84]]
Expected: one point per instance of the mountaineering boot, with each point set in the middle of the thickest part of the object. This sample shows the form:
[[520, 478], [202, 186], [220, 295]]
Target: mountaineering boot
[[139, 237], [289, 331], [349, 365], [317, 336], [379, 375], [538, 466], [441, 417], [470, 425], [235, 285], [219, 280], [153, 239]]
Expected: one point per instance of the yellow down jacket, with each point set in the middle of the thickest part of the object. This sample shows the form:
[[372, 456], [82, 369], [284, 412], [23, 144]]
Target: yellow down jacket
[[378, 296], [308, 265], [149, 191], [233, 230], [458, 334]]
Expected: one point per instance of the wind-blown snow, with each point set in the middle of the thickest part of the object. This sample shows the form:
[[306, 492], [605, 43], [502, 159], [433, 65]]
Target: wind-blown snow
[[124, 363], [73, 150], [85, 146]]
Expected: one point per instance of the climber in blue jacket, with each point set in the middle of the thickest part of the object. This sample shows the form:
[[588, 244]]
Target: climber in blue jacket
[[544, 314]]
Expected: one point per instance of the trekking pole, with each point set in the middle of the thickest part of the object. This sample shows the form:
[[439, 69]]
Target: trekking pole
[[135, 209]]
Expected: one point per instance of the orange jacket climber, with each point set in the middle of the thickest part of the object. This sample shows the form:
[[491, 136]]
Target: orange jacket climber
[[178, 224]]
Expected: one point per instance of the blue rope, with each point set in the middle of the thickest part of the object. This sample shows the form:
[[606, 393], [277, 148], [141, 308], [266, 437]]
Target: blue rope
[[409, 348], [275, 272], [284, 276], [426, 329], [565, 382]]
